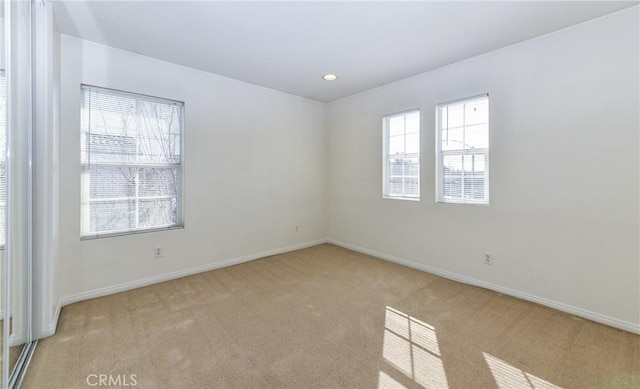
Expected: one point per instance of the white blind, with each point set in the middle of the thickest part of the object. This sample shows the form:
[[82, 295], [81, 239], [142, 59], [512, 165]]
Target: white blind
[[3, 157], [131, 154], [463, 151], [401, 155]]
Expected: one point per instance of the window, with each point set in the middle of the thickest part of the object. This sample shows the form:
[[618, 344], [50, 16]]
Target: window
[[401, 155], [131, 154], [462, 151]]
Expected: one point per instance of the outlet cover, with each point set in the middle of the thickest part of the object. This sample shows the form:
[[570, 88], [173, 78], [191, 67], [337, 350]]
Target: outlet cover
[[157, 252]]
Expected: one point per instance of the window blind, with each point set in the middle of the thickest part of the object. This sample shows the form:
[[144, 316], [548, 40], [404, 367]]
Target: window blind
[[401, 155], [131, 155], [463, 151]]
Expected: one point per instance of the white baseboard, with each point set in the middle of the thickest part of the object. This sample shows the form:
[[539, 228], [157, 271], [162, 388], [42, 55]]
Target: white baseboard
[[17, 340], [594, 316], [54, 323], [181, 273]]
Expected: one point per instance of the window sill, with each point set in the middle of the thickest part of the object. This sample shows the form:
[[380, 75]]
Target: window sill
[[130, 232], [401, 198], [462, 202]]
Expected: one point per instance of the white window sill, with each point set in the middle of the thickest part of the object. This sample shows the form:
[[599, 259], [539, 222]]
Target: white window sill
[[130, 232], [401, 198], [462, 202]]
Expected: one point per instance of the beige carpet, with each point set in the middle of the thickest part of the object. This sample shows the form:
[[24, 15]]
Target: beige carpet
[[326, 317]]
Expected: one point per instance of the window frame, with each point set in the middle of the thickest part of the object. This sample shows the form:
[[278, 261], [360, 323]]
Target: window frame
[[180, 167], [385, 154], [440, 154]]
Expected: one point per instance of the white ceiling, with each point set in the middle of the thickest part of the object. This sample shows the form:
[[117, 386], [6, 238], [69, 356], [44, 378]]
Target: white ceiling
[[289, 45]]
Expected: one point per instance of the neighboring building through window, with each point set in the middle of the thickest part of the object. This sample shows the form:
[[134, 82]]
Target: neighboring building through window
[[401, 155], [462, 151], [131, 154]]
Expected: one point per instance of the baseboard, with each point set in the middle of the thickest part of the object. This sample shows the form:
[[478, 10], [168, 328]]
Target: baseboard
[[54, 323], [593, 316], [182, 273], [17, 340]]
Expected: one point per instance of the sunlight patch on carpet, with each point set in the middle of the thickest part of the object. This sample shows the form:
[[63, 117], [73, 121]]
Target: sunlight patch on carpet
[[411, 346], [508, 376]]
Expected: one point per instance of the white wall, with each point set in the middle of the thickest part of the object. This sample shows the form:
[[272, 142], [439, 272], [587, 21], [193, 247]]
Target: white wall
[[563, 221], [254, 168]]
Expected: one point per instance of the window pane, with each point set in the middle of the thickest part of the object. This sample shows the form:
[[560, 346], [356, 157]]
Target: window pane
[[401, 176], [455, 115], [413, 122], [411, 186], [159, 135], [158, 212], [452, 177], [110, 148], [443, 114], [112, 182], [474, 176], [474, 187], [396, 145], [474, 163], [113, 215], [463, 149], [132, 155], [477, 136], [412, 167], [158, 182], [396, 166], [413, 143], [396, 186], [452, 184], [477, 112], [110, 128], [453, 139], [396, 125]]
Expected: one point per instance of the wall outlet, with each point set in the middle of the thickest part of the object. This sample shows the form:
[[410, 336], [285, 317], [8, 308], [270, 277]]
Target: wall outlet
[[297, 229], [488, 259], [157, 252]]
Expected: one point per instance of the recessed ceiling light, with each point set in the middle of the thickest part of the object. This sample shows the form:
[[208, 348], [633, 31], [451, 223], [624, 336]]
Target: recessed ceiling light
[[330, 77]]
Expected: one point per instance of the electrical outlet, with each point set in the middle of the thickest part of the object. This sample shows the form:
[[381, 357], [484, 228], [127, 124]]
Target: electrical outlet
[[297, 229], [157, 252], [488, 259]]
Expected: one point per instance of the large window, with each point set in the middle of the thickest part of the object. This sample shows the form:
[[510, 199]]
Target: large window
[[131, 158], [401, 155], [462, 151]]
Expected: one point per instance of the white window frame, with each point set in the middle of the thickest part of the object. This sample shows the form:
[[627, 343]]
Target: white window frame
[[385, 156], [85, 196], [440, 154]]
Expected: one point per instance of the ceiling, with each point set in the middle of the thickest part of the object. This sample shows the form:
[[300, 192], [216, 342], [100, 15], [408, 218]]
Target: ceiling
[[289, 46]]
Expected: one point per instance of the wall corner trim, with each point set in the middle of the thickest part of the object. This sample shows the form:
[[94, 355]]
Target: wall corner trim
[[179, 274], [54, 323], [583, 313]]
